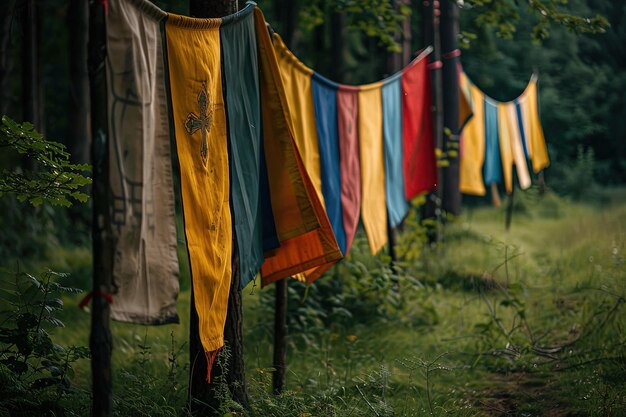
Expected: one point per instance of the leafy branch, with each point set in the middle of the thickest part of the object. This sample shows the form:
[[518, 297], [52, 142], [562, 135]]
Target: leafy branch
[[55, 180], [505, 15], [379, 19]]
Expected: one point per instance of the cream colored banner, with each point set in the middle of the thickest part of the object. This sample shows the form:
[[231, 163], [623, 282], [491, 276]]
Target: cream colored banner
[[145, 269]]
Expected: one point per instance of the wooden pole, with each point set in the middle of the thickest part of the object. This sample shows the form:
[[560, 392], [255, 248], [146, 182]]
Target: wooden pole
[[449, 44], [280, 335], [509, 211], [100, 340], [495, 195]]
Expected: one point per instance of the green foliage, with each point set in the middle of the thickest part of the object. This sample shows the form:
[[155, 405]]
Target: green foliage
[[35, 372], [148, 390], [54, 180], [359, 290], [577, 180], [378, 19], [505, 17]]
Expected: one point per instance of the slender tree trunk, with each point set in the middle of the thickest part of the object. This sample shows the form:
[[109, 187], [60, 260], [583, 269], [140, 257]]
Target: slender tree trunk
[[281, 295], [32, 102], [449, 45], [432, 208], [286, 13], [100, 340], [337, 50], [395, 62], [7, 13], [79, 139], [407, 36], [203, 397]]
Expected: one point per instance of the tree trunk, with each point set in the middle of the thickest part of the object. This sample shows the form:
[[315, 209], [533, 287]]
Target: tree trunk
[[407, 36], [395, 62], [432, 208], [285, 12], [79, 137], [337, 50], [32, 96], [449, 45], [100, 340], [204, 398], [7, 12]]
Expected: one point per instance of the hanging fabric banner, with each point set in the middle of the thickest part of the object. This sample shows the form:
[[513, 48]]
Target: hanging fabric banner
[[533, 132], [145, 264], [350, 166], [249, 187], [420, 167], [373, 204], [397, 205], [199, 125], [473, 143], [325, 103], [307, 242], [492, 170], [511, 147], [296, 79]]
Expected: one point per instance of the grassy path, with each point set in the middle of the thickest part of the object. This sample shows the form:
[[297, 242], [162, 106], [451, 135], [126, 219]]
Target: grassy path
[[526, 322]]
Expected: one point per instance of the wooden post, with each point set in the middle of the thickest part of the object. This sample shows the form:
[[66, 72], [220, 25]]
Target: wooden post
[[495, 195], [509, 211], [449, 44], [280, 335], [100, 340]]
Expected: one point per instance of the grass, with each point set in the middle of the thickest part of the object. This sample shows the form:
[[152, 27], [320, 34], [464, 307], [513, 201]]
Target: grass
[[529, 321]]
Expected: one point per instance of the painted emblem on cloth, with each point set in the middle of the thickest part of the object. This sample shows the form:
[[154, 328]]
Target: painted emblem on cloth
[[203, 121]]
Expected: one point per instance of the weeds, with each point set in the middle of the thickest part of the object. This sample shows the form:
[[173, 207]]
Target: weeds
[[35, 372]]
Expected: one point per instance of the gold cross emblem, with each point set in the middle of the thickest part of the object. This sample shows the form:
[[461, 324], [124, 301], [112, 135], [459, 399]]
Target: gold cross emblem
[[202, 122]]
